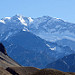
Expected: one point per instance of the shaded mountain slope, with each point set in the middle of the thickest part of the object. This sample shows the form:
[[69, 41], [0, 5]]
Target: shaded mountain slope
[[9, 67], [34, 51], [66, 64], [28, 48], [67, 42]]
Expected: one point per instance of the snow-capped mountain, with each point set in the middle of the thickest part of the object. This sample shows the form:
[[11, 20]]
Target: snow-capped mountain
[[48, 28], [41, 32]]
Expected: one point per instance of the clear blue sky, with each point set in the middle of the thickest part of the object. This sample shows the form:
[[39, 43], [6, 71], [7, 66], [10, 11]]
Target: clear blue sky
[[64, 9]]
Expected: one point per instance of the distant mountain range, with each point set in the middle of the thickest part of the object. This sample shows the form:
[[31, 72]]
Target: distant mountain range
[[45, 27], [37, 41]]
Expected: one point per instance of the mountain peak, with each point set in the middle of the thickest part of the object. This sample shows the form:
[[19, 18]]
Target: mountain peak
[[18, 15]]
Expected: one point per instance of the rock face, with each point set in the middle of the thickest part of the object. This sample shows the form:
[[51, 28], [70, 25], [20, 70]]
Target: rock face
[[2, 49]]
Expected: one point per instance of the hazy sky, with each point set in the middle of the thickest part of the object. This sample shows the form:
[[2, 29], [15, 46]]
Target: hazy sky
[[64, 9]]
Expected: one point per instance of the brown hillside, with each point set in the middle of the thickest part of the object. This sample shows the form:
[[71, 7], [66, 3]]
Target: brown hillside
[[50, 72], [4, 72], [71, 73], [6, 61], [22, 70]]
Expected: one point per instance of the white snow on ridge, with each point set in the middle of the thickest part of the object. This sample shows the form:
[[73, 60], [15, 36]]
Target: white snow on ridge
[[51, 48], [10, 33], [30, 19], [48, 45], [58, 18], [25, 29], [22, 21], [7, 17], [2, 21], [70, 38], [41, 26]]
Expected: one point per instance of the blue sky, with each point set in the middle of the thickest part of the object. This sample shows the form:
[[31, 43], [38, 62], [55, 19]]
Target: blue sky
[[64, 9]]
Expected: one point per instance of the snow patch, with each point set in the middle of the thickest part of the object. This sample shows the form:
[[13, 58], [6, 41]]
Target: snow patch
[[47, 45], [10, 33], [22, 20], [7, 17], [2, 21], [64, 62], [25, 29], [57, 18], [70, 38], [54, 48], [30, 19]]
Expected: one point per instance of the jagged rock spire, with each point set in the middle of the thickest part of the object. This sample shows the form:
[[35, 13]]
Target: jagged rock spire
[[2, 49]]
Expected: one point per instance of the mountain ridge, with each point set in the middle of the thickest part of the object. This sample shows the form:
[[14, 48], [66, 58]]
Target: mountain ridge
[[48, 25]]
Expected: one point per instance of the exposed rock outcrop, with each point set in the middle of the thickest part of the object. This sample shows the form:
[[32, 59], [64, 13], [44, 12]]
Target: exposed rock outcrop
[[2, 49]]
